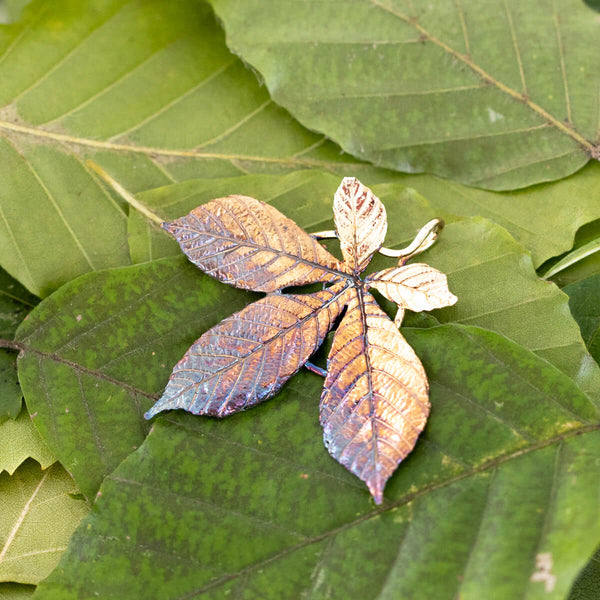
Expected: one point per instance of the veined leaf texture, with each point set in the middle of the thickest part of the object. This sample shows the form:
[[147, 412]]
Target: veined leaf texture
[[375, 400]]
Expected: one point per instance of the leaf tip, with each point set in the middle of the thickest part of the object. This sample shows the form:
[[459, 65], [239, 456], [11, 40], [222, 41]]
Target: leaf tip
[[376, 489], [151, 413]]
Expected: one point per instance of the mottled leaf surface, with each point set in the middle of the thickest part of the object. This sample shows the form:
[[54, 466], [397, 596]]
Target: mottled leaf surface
[[375, 399], [254, 507], [497, 96], [112, 338], [37, 517], [251, 245], [128, 314], [247, 357]]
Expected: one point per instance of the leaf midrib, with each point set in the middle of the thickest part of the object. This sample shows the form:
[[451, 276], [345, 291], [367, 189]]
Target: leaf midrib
[[521, 97], [292, 161], [410, 497], [24, 348]]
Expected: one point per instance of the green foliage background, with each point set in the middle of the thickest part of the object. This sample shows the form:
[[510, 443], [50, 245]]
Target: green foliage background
[[182, 102]]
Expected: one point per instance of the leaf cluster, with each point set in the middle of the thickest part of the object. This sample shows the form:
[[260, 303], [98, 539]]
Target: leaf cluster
[[484, 116]]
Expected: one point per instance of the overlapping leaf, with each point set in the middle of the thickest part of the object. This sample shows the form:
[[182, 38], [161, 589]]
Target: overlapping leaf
[[247, 357], [511, 446], [500, 96], [15, 303], [20, 440], [529, 215], [374, 403], [163, 306], [251, 245], [80, 91], [375, 398], [37, 517]]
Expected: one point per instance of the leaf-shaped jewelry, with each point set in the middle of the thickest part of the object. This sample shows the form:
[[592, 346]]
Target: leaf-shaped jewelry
[[247, 357], [417, 287], [375, 398], [250, 244], [360, 222]]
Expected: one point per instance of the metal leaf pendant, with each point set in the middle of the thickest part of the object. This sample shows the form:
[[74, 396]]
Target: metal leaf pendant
[[375, 397]]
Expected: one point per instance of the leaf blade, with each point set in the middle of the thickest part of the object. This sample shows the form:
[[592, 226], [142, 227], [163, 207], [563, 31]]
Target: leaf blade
[[302, 522], [251, 245], [37, 521], [375, 400], [416, 286], [423, 88], [360, 222], [274, 337]]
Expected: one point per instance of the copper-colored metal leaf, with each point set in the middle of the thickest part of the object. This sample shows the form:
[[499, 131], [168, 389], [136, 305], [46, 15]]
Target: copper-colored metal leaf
[[248, 357], [416, 287], [251, 245], [360, 221], [375, 399]]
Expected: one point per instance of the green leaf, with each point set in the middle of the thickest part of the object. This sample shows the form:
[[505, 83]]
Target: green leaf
[[574, 257], [253, 507], [10, 391], [304, 196], [75, 86], [20, 440], [581, 266], [584, 301], [541, 218], [497, 97], [98, 351], [15, 591], [37, 519], [15, 303]]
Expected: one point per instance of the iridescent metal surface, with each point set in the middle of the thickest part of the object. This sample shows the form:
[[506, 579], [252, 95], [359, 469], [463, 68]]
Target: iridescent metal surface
[[360, 222], [375, 399], [247, 357], [251, 245], [417, 287]]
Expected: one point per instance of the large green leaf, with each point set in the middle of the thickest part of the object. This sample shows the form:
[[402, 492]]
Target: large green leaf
[[37, 519], [148, 90], [98, 350], [20, 440], [503, 480], [543, 218], [497, 96], [497, 289]]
